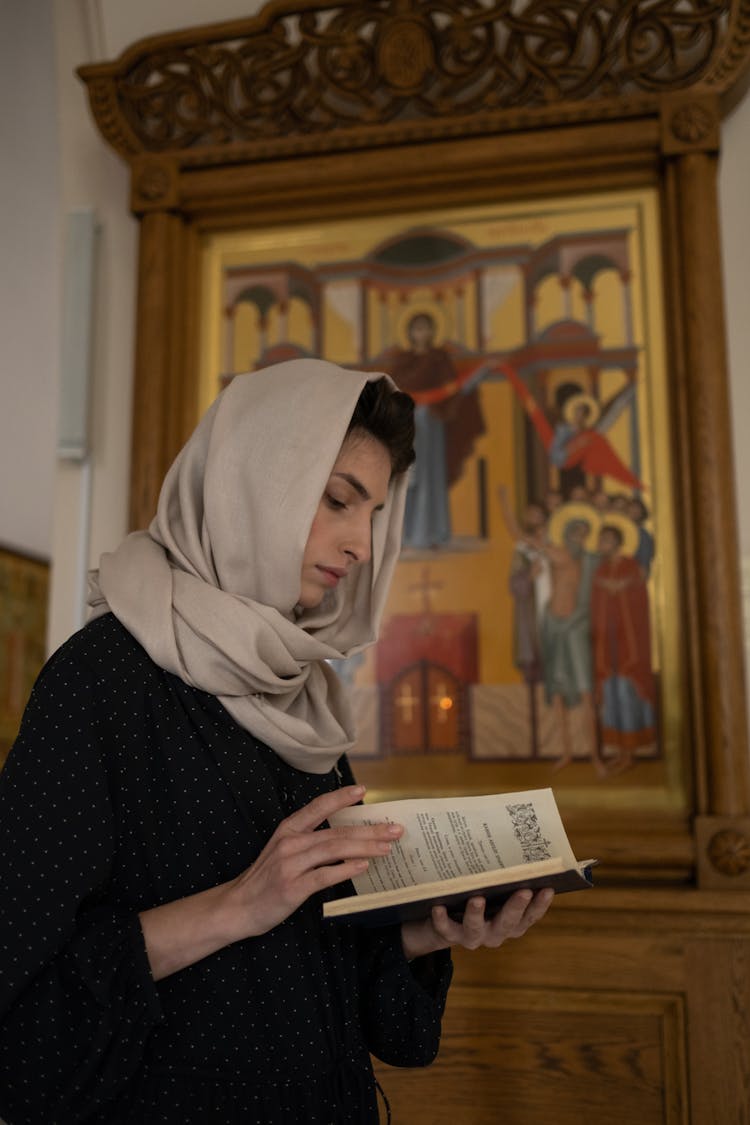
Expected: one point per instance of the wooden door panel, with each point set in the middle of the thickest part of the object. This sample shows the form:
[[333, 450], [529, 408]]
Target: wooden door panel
[[537, 1057]]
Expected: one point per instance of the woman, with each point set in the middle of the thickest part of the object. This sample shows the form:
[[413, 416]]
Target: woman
[[164, 808]]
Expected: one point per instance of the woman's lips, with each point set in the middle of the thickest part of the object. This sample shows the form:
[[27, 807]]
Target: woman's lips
[[331, 575]]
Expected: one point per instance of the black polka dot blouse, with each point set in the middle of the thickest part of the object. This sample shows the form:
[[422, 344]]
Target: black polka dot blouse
[[127, 789]]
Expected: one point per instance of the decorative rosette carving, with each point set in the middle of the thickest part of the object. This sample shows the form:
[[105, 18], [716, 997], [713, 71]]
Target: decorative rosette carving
[[729, 852], [153, 182], [692, 123], [405, 55]]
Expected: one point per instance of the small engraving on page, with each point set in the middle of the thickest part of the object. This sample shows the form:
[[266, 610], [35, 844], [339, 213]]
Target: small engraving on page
[[527, 831]]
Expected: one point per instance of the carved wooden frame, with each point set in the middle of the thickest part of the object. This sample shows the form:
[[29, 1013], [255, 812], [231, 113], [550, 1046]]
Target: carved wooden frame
[[315, 110]]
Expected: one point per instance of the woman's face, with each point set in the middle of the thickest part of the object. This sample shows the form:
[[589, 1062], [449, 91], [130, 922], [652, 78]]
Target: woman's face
[[341, 534]]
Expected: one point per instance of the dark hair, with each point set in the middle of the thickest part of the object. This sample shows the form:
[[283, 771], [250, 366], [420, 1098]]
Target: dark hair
[[388, 415], [641, 507], [421, 318], [614, 531]]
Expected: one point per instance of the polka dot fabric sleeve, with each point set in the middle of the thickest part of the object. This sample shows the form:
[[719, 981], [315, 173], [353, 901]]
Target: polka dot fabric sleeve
[[77, 1000], [401, 1003]]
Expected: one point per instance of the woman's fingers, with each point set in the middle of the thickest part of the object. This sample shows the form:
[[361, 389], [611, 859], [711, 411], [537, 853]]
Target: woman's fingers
[[300, 833], [521, 911], [320, 849], [539, 905], [470, 932], [321, 878], [312, 815]]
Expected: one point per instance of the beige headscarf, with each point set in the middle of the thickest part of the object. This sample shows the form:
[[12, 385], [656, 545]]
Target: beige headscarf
[[210, 589]]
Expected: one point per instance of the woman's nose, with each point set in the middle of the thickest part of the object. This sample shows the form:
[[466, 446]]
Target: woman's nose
[[358, 545]]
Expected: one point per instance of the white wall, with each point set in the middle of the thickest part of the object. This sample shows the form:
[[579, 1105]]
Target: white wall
[[91, 499], [29, 274], [124, 21], [89, 174], [734, 199]]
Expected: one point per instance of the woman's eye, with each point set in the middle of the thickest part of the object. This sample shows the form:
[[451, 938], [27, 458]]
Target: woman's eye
[[333, 502]]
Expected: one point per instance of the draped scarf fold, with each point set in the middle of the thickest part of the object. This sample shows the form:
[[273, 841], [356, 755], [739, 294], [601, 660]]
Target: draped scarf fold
[[210, 589]]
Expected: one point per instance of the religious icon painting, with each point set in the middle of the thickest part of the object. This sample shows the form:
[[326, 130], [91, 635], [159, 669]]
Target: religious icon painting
[[530, 632]]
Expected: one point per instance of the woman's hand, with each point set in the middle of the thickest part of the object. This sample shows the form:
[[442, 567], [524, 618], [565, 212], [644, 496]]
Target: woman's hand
[[295, 863], [301, 858], [440, 931]]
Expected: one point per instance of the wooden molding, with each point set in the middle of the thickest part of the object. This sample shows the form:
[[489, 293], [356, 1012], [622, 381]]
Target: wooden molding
[[548, 1052]]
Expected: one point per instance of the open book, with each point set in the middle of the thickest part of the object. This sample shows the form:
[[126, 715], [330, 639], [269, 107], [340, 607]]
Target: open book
[[456, 847]]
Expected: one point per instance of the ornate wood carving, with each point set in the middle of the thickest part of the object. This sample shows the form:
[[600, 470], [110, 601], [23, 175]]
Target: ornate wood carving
[[154, 183], [317, 77], [690, 123], [729, 851], [724, 852]]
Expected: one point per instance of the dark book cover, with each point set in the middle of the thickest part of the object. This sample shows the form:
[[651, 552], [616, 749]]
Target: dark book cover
[[388, 913]]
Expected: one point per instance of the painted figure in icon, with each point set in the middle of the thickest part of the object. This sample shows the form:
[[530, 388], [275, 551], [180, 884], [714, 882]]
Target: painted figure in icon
[[621, 641], [448, 421]]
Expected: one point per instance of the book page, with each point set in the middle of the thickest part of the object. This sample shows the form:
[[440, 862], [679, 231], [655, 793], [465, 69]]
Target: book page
[[446, 837]]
